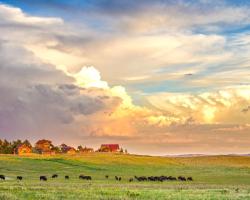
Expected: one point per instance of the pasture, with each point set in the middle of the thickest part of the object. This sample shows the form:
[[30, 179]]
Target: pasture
[[215, 177]]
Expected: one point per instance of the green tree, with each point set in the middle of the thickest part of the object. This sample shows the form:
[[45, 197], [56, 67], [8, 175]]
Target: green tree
[[14, 145], [79, 148], [27, 142], [56, 149], [1, 145], [6, 147]]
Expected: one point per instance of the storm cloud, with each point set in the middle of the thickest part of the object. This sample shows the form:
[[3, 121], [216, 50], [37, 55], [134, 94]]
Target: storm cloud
[[35, 95]]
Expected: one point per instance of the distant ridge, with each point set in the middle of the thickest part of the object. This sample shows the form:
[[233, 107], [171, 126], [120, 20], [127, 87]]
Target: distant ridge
[[201, 155], [187, 155]]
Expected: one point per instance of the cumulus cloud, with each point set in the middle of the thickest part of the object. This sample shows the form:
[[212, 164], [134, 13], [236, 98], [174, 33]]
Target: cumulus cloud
[[90, 77], [36, 97], [222, 106], [160, 56], [46, 91], [10, 16]]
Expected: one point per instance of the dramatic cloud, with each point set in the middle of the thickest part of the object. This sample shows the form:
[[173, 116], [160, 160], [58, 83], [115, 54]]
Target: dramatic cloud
[[35, 97], [223, 106], [155, 76]]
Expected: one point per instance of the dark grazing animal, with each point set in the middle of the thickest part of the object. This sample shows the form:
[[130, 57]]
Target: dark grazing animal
[[120, 178], [43, 178], [54, 176], [19, 178], [81, 176], [181, 178], [106, 176], [141, 178], [66, 177], [158, 178], [171, 178], [190, 178], [85, 177], [2, 177], [131, 180]]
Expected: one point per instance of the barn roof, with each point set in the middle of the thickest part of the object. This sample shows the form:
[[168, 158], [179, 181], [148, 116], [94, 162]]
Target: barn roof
[[111, 146]]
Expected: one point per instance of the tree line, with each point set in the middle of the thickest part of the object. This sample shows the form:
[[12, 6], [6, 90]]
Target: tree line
[[12, 147], [7, 147]]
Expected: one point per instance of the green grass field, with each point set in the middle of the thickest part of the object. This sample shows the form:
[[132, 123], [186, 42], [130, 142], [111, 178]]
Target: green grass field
[[215, 177]]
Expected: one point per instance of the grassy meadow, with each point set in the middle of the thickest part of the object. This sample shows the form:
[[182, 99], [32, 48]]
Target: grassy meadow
[[215, 177]]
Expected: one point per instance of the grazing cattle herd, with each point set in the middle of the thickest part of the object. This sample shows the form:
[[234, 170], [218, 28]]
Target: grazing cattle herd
[[161, 178], [117, 178]]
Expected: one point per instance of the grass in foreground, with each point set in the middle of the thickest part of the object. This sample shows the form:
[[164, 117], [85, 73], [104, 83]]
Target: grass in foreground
[[215, 177]]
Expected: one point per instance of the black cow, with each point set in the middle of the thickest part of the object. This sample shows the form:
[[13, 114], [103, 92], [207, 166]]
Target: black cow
[[2, 177], [54, 176], [151, 178], [106, 176], [181, 178], [120, 178], [171, 178], [43, 178], [66, 177], [19, 178], [141, 178], [190, 178], [131, 180], [81, 176], [85, 177], [156, 178]]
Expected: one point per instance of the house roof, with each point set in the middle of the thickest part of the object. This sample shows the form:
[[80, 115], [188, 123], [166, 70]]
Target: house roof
[[66, 148], [43, 141], [23, 146], [111, 146], [71, 149]]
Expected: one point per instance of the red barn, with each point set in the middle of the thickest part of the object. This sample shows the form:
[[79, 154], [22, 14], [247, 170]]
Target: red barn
[[109, 148]]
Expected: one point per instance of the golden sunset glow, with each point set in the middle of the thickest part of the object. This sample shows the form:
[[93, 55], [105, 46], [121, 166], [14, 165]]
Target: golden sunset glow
[[209, 114], [164, 74]]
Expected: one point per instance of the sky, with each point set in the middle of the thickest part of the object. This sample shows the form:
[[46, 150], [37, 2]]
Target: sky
[[157, 77]]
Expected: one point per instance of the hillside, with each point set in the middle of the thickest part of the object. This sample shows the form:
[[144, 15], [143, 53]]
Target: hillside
[[211, 174]]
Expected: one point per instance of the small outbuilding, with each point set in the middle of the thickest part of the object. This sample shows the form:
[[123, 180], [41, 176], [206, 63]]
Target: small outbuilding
[[109, 148], [71, 150], [86, 150], [23, 149]]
